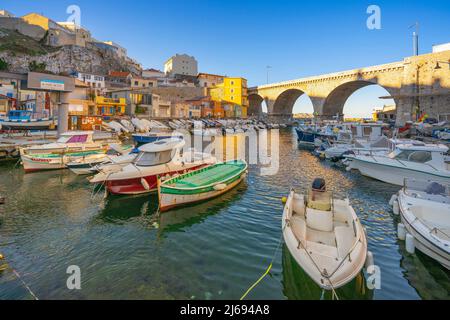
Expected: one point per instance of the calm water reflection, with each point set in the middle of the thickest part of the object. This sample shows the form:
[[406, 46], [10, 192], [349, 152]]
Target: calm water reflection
[[214, 250]]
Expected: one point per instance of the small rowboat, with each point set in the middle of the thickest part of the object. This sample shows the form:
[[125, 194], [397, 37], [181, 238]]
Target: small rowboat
[[200, 185], [325, 237]]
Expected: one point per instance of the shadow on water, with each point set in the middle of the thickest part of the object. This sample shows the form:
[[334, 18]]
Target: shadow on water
[[428, 277], [297, 285], [177, 220], [120, 209]]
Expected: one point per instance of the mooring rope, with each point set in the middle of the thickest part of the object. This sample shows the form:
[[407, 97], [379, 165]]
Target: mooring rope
[[20, 279], [266, 272]]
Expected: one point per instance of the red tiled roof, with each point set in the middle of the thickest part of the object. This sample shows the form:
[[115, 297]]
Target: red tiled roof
[[153, 70], [210, 74], [119, 74]]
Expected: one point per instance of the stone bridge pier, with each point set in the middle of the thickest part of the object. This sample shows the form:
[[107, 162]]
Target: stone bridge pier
[[415, 85]]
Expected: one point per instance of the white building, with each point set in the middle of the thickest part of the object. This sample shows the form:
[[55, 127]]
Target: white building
[[441, 47], [94, 81], [181, 64], [5, 13]]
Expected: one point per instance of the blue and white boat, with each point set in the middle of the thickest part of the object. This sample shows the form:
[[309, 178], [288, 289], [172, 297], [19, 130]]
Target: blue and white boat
[[25, 120], [149, 137], [310, 136]]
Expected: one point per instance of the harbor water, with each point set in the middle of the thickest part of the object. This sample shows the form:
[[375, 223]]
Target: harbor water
[[213, 250]]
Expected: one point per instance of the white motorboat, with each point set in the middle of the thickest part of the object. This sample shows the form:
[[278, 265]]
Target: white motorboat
[[140, 125], [363, 137], [90, 163], [412, 161], [127, 124], [424, 208], [159, 158], [117, 127], [325, 237]]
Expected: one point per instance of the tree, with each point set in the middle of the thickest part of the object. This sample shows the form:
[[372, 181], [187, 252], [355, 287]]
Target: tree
[[37, 67], [3, 65]]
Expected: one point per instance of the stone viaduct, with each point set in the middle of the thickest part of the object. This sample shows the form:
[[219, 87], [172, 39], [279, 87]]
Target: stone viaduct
[[417, 84]]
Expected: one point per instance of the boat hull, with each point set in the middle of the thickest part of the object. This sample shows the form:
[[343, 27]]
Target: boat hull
[[390, 174], [27, 125], [423, 240], [136, 186], [33, 163]]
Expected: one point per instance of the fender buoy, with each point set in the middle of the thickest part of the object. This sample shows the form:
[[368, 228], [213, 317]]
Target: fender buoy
[[401, 231], [409, 241], [393, 198], [396, 208], [220, 186], [369, 260], [284, 200], [145, 184]]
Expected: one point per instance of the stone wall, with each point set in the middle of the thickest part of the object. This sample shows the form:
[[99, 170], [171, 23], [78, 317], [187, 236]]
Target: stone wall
[[19, 25]]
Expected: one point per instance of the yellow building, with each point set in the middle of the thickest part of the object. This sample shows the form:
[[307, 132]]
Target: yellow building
[[233, 96], [110, 106]]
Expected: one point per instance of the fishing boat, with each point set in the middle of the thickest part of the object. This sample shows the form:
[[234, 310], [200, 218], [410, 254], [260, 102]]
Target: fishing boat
[[415, 160], [324, 236], [159, 158], [424, 208], [70, 146], [26, 120], [312, 136], [200, 185], [90, 164]]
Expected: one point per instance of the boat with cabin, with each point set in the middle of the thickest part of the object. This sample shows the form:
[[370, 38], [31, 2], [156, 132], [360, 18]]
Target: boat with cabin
[[26, 120], [415, 160], [160, 158], [424, 208]]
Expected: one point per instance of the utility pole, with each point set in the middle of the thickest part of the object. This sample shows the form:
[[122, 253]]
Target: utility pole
[[416, 104]]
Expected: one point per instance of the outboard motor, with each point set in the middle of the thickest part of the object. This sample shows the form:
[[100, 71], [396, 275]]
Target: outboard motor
[[318, 185]]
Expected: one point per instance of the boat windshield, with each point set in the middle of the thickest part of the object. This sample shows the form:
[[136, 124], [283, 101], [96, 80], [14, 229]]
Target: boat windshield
[[146, 159], [431, 190], [419, 156]]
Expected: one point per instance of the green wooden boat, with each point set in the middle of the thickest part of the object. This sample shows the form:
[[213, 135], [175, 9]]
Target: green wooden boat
[[200, 185]]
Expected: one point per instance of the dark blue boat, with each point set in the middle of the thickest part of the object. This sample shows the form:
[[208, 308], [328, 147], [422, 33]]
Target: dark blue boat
[[143, 138], [309, 136]]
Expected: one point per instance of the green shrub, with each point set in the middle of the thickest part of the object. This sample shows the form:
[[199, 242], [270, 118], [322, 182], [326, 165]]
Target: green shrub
[[37, 67], [3, 65]]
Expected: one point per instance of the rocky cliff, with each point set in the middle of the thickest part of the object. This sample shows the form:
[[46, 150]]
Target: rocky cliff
[[18, 51]]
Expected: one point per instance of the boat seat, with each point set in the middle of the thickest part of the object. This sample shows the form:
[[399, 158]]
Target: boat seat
[[298, 205], [319, 220], [322, 249], [298, 226], [322, 237], [345, 238], [319, 201]]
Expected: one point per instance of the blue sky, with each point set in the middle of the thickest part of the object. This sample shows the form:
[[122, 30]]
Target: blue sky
[[240, 38]]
